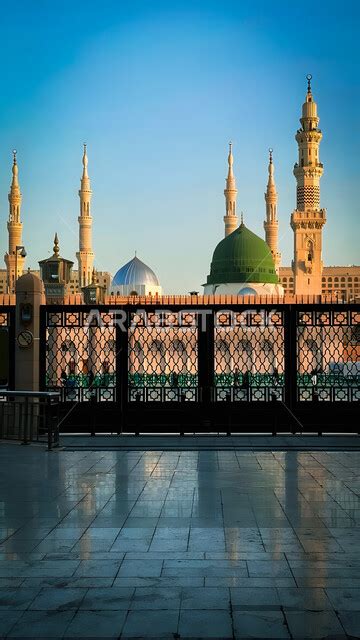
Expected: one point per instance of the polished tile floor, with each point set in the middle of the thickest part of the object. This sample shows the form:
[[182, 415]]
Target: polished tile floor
[[167, 544]]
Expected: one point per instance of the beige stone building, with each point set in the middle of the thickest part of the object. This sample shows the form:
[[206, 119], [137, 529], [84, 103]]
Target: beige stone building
[[343, 282], [103, 278]]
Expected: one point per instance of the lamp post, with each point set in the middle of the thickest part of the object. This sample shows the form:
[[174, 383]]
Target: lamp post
[[21, 248]]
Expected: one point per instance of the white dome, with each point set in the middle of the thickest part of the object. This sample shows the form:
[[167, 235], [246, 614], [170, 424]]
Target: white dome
[[135, 273]]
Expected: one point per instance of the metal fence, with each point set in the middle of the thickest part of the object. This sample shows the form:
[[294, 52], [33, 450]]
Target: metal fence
[[30, 417], [201, 366], [7, 344]]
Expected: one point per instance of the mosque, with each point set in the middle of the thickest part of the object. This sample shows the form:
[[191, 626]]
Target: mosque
[[242, 262]]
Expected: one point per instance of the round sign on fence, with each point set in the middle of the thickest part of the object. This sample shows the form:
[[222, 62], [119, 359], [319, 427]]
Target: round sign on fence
[[25, 339]]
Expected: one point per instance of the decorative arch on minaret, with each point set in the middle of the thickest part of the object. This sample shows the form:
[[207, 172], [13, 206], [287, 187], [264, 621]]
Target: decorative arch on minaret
[[230, 193], [85, 255], [14, 259], [271, 223], [308, 219]]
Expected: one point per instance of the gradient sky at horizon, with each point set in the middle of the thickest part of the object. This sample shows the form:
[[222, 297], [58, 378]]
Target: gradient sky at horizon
[[157, 89]]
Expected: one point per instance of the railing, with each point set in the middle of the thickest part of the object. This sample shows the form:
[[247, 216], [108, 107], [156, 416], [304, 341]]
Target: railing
[[203, 364], [30, 416], [163, 394]]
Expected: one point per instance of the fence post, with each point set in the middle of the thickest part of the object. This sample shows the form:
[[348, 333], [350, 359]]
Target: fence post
[[290, 359], [52, 421], [26, 420], [122, 374], [274, 411], [206, 362], [29, 296], [93, 408], [49, 423]]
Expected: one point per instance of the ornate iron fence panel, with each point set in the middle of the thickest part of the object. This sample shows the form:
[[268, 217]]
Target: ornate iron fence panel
[[204, 366], [81, 355], [163, 356], [328, 355], [249, 355]]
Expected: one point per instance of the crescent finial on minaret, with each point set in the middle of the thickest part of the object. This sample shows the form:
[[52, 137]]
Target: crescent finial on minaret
[[56, 245], [15, 170], [230, 161], [271, 167], [85, 160], [309, 78]]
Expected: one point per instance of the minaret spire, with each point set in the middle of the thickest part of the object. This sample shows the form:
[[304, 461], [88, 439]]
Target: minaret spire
[[271, 224], [13, 259], [85, 164], [308, 218], [230, 192], [85, 255], [56, 249]]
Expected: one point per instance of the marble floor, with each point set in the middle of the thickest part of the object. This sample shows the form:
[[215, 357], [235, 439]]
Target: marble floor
[[179, 544]]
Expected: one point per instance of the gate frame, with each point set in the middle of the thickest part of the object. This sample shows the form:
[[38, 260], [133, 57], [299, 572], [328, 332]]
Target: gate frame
[[207, 415]]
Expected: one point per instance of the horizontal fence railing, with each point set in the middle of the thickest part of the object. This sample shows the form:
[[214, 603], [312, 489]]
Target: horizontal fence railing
[[29, 417]]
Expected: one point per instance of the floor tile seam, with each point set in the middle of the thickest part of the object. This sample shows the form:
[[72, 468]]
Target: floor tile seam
[[222, 514], [128, 516], [337, 614], [231, 611], [191, 515], [285, 622], [15, 623], [290, 569], [156, 526], [63, 635]]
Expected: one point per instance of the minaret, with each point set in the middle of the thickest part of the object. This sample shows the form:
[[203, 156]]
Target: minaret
[[230, 193], [85, 255], [308, 219], [13, 259], [271, 224]]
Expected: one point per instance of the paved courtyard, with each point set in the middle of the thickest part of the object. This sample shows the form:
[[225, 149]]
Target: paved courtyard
[[167, 544]]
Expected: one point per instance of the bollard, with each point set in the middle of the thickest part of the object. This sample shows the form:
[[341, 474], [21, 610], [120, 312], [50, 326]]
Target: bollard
[[26, 421], [93, 411], [275, 417]]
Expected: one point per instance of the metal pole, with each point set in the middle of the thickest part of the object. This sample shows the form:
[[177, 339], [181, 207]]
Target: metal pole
[[49, 424], [26, 420]]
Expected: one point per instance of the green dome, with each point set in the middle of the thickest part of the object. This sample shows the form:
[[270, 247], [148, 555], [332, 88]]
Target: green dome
[[242, 257]]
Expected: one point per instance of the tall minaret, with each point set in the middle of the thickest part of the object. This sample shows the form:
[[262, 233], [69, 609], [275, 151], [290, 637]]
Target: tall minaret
[[308, 219], [13, 259], [271, 224], [230, 193], [85, 255]]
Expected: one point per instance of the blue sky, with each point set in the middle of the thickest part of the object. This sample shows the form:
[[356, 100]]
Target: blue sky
[[157, 89]]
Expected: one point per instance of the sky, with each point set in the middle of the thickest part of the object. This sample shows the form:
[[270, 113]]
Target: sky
[[156, 90]]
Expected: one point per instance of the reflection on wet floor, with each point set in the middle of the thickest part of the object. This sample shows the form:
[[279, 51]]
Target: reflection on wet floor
[[224, 544]]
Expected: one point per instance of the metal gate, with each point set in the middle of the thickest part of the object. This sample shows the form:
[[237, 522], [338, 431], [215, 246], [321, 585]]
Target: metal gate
[[203, 368], [7, 347]]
